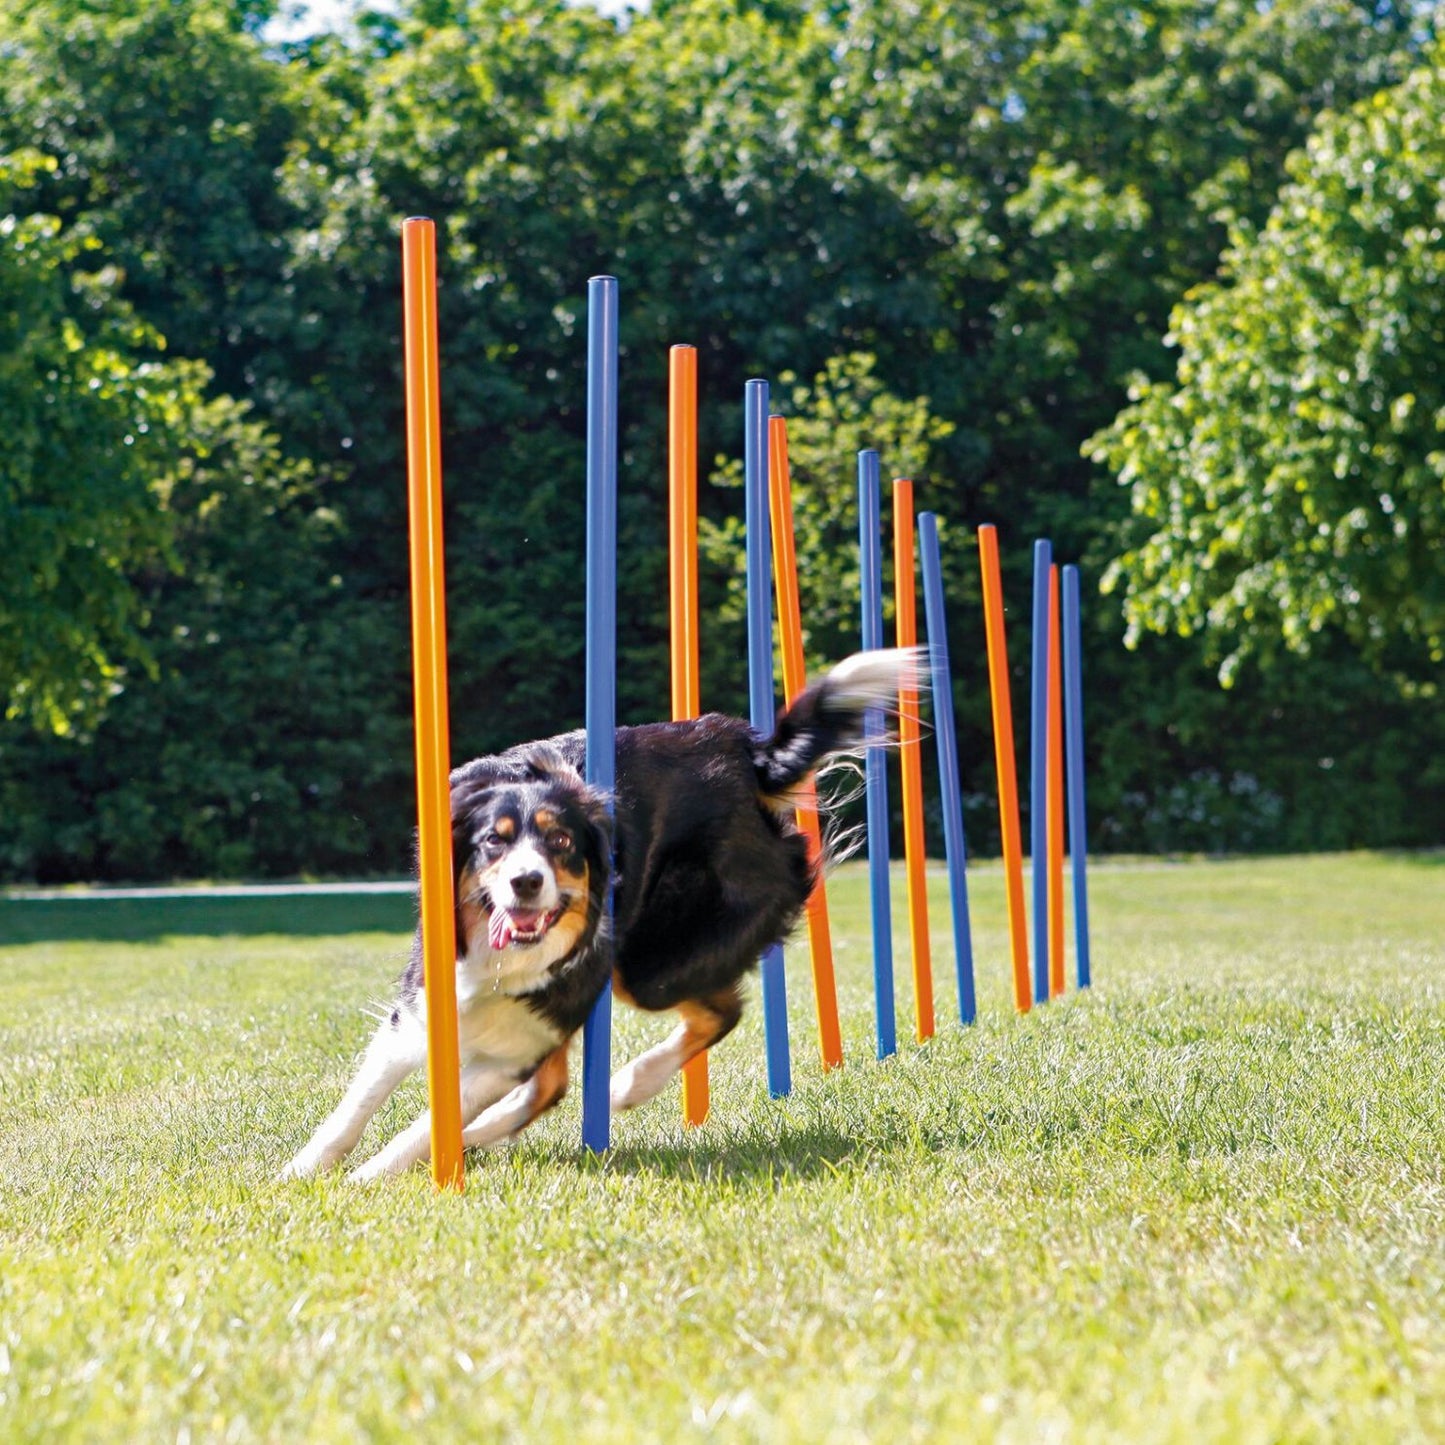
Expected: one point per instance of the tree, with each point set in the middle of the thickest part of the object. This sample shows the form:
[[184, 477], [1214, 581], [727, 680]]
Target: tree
[[998, 204], [1291, 478], [844, 409], [94, 425], [167, 126]]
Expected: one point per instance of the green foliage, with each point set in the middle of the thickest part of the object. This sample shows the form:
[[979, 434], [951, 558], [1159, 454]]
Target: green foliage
[[165, 124], [998, 206], [255, 745], [844, 409], [1291, 480], [94, 423]]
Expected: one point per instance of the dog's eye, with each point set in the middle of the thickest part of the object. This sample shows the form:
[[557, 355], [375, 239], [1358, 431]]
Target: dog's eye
[[493, 841], [560, 842]]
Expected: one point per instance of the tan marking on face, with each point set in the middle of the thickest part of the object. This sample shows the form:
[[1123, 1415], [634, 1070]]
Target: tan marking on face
[[505, 828], [546, 820], [576, 880], [567, 932], [469, 908]]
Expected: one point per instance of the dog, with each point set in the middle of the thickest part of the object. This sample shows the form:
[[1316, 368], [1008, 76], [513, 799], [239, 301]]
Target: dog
[[707, 869]]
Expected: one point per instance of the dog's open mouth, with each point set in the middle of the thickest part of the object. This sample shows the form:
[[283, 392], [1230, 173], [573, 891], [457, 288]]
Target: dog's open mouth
[[521, 926]]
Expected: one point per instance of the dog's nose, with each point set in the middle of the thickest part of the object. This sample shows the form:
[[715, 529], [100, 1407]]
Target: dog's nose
[[526, 885]]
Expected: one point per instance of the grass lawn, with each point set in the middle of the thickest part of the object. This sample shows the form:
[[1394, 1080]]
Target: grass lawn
[[1205, 1202]]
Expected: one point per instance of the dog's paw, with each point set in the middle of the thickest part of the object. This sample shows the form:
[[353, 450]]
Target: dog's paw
[[635, 1084], [313, 1159], [380, 1166], [303, 1166]]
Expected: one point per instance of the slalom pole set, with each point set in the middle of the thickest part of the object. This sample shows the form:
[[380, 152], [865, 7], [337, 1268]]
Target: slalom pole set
[[1056, 753]]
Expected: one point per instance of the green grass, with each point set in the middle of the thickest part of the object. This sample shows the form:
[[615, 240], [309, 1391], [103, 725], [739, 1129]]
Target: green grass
[[1204, 1202]]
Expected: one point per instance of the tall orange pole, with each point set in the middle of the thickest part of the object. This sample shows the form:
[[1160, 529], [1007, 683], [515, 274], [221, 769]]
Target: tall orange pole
[[682, 552], [1056, 793], [1003, 751], [910, 757], [790, 624], [429, 670]]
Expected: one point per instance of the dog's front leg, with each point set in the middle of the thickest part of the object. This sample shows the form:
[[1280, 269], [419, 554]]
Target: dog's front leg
[[396, 1050], [514, 1111], [481, 1085], [704, 1023]]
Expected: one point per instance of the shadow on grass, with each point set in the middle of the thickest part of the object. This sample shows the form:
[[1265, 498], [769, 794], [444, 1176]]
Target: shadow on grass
[[97, 919], [799, 1152]]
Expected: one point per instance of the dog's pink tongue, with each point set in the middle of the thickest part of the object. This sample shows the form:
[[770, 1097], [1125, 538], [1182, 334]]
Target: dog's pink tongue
[[499, 929], [505, 924]]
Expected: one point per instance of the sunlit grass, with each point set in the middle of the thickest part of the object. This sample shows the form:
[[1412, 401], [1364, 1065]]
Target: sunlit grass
[[1204, 1202]]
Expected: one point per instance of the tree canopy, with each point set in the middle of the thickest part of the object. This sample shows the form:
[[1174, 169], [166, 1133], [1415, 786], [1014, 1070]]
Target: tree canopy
[[947, 228], [93, 417], [1291, 477]]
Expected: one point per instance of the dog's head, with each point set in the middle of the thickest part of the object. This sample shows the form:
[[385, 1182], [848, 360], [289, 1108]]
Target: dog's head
[[530, 843]]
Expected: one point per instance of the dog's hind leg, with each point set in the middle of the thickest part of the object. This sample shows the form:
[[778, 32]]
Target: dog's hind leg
[[704, 1022], [481, 1084], [513, 1112], [396, 1050]]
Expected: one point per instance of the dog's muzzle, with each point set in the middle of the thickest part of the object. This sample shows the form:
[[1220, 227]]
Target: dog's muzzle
[[520, 926]]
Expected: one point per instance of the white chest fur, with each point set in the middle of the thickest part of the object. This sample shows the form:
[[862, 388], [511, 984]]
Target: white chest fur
[[494, 1027], [497, 1029]]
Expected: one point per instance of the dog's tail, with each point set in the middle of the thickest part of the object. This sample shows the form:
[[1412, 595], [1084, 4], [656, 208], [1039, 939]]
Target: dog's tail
[[827, 717]]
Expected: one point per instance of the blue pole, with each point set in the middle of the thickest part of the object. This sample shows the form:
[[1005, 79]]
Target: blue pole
[[762, 709], [601, 711], [942, 688], [1072, 641], [1038, 781], [870, 553]]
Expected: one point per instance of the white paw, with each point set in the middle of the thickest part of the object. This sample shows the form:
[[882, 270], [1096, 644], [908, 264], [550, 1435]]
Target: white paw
[[311, 1160], [623, 1089], [638, 1082]]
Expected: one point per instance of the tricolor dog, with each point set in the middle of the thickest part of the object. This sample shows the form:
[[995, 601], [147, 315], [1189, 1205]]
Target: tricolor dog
[[707, 869]]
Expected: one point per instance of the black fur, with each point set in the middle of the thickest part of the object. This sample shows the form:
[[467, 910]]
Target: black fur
[[709, 868], [706, 867], [516, 784]]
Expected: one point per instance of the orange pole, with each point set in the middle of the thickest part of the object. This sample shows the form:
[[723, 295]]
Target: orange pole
[[1003, 751], [682, 552], [790, 625], [910, 756], [1056, 793], [429, 667]]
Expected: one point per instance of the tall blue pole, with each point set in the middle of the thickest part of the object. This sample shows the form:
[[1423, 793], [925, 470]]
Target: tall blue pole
[[870, 555], [1074, 747], [1039, 770], [601, 707], [942, 691], [762, 708]]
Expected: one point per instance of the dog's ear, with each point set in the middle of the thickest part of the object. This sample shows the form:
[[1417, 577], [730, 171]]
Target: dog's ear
[[528, 763], [472, 779], [595, 812], [542, 763]]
